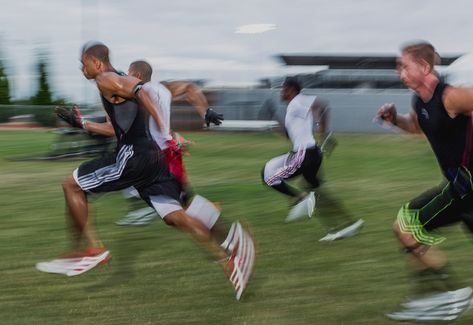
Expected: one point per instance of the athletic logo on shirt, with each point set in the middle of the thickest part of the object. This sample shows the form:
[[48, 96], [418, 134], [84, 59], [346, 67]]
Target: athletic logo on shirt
[[425, 113]]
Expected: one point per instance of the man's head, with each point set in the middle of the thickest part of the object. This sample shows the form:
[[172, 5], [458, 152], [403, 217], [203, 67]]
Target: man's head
[[141, 70], [94, 59], [290, 89], [416, 63]]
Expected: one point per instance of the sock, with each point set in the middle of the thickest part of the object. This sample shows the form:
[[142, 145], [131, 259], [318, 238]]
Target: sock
[[287, 190]]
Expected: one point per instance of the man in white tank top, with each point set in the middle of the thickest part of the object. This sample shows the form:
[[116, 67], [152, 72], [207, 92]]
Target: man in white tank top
[[302, 113], [162, 95], [234, 239]]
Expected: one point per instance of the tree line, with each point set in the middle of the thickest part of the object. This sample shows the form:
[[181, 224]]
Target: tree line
[[43, 95]]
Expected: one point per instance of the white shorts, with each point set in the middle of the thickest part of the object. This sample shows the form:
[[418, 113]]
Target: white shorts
[[164, 205], [283, 167]]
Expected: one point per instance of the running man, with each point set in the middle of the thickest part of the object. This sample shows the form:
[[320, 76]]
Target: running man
[[443, 113], [162, 95], [306, 157], [138, 163]]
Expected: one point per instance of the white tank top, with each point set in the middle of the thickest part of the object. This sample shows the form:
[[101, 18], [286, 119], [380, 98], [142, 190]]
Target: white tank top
[[161, 97], [299, 121]]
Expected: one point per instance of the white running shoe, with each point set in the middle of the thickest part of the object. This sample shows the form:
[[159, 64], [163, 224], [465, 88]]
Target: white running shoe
[[439, 299], [77, 265], [445, 306], [304, 208], [139, 217], [88, 263], [349, 231], [58, 266], [239, 266]]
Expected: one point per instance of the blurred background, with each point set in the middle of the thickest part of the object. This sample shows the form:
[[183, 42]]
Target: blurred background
[[239, 52]]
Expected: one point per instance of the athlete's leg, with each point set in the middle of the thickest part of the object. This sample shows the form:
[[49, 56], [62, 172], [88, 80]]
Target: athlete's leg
[[424, 256], [209, 214], [108, 173], [284, 188], [170, 209], [311, 166], [433, 209], [196, 229], [200, 220], [332, 212], [77, 209], [277, 170], [77, 261]]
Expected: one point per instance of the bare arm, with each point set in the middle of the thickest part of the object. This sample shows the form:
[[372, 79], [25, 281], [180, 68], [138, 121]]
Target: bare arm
[[407, 122], [321, 111], [458, 100], [75, 119], [113, 85], [105, 128], [191, 93], [194, 96]]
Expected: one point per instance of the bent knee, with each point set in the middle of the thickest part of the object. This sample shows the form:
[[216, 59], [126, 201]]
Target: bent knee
[[169, 220], [175, 218], [406, 238], [269, 179]]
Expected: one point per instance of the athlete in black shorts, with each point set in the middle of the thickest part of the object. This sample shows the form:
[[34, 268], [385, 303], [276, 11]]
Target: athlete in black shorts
[[443, 114], [137, 162], [305, 158]]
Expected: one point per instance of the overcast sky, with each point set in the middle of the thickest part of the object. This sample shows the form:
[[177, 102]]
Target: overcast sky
[[196, 38]]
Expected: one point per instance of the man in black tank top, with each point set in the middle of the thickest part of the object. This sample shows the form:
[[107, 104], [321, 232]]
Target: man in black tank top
[[443, 114], [136, 163]]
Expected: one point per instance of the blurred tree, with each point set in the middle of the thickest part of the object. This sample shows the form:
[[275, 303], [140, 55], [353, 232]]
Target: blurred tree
[[43, 96], [4, 86]]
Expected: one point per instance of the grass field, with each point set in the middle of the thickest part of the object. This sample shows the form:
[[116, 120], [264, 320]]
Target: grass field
[[158, 276]]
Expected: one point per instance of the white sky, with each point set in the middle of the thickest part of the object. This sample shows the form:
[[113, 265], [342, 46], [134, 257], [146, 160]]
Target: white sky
[[196, 38]]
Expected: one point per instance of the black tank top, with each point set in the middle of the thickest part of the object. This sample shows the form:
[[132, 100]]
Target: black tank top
[[128, 120], [446, 135]]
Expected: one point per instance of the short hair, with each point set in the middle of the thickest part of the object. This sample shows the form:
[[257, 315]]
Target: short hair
[[97, 50], [144, 68], [422, 50], [293, 83]]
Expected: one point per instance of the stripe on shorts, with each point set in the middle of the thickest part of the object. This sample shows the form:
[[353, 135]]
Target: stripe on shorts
[[108, 173], [292, 163]]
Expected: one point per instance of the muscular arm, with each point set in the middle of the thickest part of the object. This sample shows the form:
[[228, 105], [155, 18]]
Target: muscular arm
[[191, 93], [407, 122], [113, 85], [458, 100], [105, 128]]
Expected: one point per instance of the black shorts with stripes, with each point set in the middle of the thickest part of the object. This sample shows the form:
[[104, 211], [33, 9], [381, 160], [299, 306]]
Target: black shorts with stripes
[[141, 166]]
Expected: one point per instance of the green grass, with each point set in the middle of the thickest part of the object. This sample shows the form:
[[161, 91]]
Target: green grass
[[158, 275]]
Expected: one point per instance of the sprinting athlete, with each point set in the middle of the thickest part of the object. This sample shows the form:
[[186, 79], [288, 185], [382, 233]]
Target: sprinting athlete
[[162, 94], [305, 157], [443, 114], [137, 162]]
